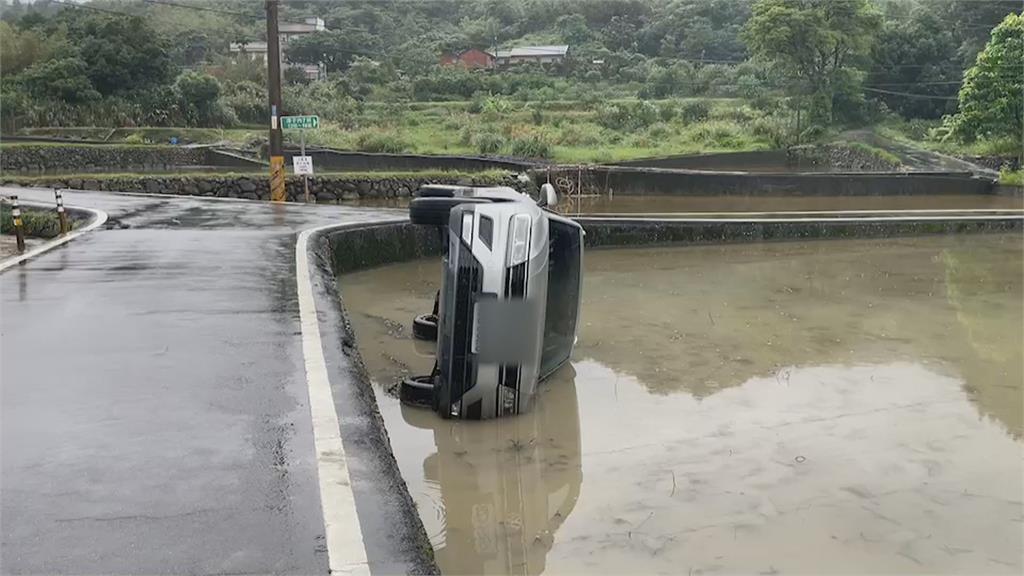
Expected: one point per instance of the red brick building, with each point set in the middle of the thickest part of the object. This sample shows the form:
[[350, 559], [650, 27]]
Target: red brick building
[[472, 58]]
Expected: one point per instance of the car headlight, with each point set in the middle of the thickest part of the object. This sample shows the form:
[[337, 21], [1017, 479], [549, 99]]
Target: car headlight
[[519, 240]]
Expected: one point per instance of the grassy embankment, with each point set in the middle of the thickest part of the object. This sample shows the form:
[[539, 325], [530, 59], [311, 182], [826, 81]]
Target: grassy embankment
[[921, 133], [1011, 177], [563, 131], [879, 153]]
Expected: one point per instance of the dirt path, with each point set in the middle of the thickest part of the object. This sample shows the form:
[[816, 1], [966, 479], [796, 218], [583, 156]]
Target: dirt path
[[914, 158]]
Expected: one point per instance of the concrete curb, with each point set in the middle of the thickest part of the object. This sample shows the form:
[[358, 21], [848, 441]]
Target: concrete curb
[[95, 218], [394, 539]]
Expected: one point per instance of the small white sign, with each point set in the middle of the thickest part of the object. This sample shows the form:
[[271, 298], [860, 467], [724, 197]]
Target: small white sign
[[303, 165]]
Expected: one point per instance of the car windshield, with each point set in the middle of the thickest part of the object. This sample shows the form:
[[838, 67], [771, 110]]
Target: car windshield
[[563, 295]]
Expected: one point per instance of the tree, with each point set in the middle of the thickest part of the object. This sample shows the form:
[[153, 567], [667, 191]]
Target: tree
[[199, 98], [61, 79], [122, 53], [917, 53], [21, 48], [333, 48], [816, 41], [991, 101]]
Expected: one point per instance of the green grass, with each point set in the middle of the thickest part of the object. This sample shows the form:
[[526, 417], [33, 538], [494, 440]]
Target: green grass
[[880, 153], [150, 135], [1011, 177], [563, 131], [924, 134], [572, 132], [36, 223]]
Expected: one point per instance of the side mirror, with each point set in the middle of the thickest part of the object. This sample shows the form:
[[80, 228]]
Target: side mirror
[[548, 197]]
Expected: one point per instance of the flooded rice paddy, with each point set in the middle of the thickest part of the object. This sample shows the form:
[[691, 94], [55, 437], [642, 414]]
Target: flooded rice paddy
[[821, 407]]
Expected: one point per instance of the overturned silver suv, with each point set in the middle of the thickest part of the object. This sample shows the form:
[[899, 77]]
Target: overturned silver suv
[[509, 299]]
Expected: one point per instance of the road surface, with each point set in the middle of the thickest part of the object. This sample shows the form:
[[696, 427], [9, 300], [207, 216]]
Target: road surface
[[155, 413]]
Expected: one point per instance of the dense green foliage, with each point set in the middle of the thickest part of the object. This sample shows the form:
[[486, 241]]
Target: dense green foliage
[[991, 97], [838, 62], [819, 43]]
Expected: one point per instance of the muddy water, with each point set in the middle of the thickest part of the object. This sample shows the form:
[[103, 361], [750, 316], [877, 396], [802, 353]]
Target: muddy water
[[714, 204], [829, 407], [667, 204]]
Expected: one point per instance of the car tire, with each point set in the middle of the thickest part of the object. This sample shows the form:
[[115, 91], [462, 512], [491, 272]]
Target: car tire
[[433, 211], [430, 191], [417, 391], [424, 327]]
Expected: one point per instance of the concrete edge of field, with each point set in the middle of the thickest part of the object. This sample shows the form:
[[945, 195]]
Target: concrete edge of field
[[393, 534], [92, 218]]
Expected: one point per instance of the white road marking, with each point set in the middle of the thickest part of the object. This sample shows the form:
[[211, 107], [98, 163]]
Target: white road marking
[[953, 211], [99, 218], [346, 552]]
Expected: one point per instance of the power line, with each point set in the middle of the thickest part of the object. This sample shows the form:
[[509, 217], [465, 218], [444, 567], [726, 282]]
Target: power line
[[259, 17], [910, 95], [93, 8]]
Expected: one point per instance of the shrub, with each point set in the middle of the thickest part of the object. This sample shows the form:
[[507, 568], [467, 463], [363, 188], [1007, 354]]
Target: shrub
[[531, 146], [718, 134], [668, 110], [583, 134], [775, 129], [536, 115], [488, 143], [695, 111], [658, 131], [628, 115], [35, 223], [812, 133], [380, 141], [1009, 177]]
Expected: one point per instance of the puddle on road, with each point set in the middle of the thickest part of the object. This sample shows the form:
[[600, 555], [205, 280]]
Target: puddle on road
[[668, 204], [825, 407]]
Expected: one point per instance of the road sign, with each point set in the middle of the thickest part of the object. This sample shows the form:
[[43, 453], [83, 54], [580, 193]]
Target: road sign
[[304, 122], [303, 164]]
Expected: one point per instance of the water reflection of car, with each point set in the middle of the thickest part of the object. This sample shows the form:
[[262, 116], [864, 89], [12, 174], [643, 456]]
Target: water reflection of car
[[507, 485], [509, 300]]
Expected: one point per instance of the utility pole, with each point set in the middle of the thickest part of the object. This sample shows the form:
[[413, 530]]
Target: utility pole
[[277, 191]]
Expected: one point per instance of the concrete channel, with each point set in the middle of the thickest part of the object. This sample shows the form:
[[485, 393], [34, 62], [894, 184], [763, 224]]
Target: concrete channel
[[818, 395]]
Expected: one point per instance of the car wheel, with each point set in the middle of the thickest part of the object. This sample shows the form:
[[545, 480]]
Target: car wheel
[[424, 327], [433, 211], [417, 391]]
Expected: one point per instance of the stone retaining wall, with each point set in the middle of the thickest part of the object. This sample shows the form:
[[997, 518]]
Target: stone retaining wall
[[652, 181], [342, 160], [28, 158], [326, 189], [993, 162], [840, 156]]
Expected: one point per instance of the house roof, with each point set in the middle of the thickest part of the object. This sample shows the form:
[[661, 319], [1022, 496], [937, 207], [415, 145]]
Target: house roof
[[248, 47], [309, 25], [535, 51]]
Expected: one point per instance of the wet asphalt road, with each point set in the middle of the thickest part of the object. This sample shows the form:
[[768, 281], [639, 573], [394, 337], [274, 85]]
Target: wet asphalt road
[[154, 405]]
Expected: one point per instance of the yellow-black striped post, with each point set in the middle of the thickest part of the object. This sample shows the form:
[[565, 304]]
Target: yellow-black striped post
[[60, 211], [277, 190], [19, 231]]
